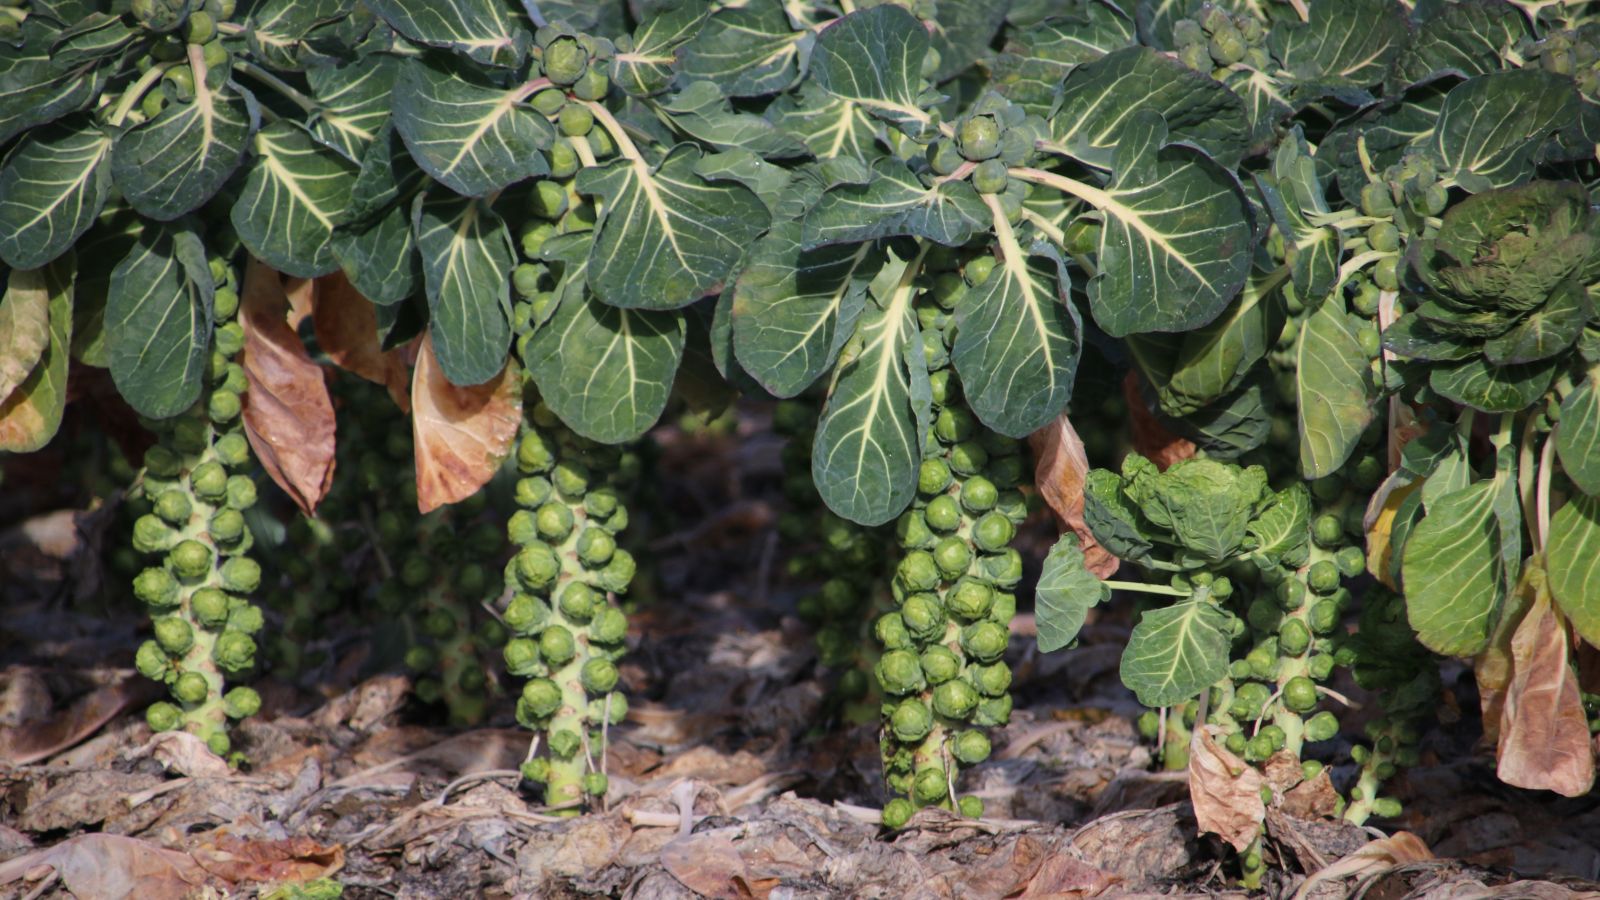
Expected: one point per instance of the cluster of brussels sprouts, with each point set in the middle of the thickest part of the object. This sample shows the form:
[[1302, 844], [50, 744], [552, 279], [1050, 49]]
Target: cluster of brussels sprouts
[[180, 24], [567, 632], [942, 672], [847, 558], [1215, 41], [194, 480], [992, 137], [1573, 52], [312, 583]]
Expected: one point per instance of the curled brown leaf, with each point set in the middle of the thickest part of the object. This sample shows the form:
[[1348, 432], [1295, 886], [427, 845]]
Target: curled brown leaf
[[288, 415], [1225, 790], [24, 328], [347, 330], [1059, 472], [462, 433], [1544, 735], [1151, 439]]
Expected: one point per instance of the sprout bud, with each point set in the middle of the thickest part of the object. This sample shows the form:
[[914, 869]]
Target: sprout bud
[[918, 572], [241, 492], [1328, 531], [970, 600], [592, 86], [163, 716], [968, 458], [953, 425], [952, 556], [595, 783], [942, 513], [979, 137], [595, 547], [571, 479], [234, 651], [157, 588], [1320, 666], [955, 699], [1294, 638], [151, 535], [227, 527], [534, 455], [911, 720], [190, 560], [618, 573], [190, 688], [931, 786], [152, 661], [578, 601], [1351, 561], [971, 807], [991, 680], [540, 698], [565, 743], [1322, 727], [174, 634], [522, 657], [979, 495], [897, 812], [1323, 577], [233, 450], [990, 177], [241, 703], [537, 566], [554, 522], [993, 712], [891, 632], [174, 507], [985, 641], [940, 664], [224, 406], [899, 672], [565, 61], [923, 616], [1386, 808], [971, 746], [1004, 568], [526, 613], [557, 645], [598, 676], [241, 574]]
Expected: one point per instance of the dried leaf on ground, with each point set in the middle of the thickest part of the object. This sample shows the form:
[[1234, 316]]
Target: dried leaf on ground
[[288, 414], [1544, 734], [185, 754], [707, 864], [347, 330], [1151, 439], [1398, 849], [1059, 472], [31, 741], [1225, 790], [238, 859], [462, 433], [113, 866], [24, 328]]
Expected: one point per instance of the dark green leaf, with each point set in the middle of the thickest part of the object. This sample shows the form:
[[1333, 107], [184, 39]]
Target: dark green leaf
[[1572, 560], [1467, 36], [606, 372], [295, 192], [1036, 59], [1492, 126], [1385, 129], [895, 202], [92, 37], [873, 58], [830, 126], [98, 253], [177, 161], [280, 30], [1066, 592], [158, 322], [1346, 44], [487, 31], [379, 256], [1175, 652], [1547, 331], [1116, 524], [703, 113], [1578, 434], [467, 259], [667, 237], [466, 131], [355, 99], [1018, 338], [1100, 101], [1490, 388], [647, 69], [1336, 395], [34, 89], [52, 188], [1452, 571], [1193, 370], [1283, 529], [748, 51]]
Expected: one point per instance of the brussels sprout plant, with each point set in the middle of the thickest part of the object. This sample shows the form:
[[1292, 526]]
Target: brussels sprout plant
[[1343, 257]]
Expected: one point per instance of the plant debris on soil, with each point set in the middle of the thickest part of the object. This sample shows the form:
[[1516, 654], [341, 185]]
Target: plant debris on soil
[[726, 781]]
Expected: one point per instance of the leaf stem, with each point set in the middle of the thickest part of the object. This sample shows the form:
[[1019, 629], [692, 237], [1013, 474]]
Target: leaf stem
[[289, 91], [1541, 504], [625, 144], [136, 92], [1087, 193], [1141, 587], [1526, 479]]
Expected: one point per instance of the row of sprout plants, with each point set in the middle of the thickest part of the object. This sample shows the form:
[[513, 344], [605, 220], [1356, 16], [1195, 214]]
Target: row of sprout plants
[[1344, 254]]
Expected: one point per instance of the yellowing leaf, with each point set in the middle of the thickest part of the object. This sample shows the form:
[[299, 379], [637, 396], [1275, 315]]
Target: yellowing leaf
[[30, 416], [1381, 511], [462, 433], [288, 415], [24, 327]]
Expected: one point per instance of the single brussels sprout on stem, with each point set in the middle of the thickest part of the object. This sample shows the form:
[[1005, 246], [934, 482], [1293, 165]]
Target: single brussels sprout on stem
[[567, 633], [195, 480]]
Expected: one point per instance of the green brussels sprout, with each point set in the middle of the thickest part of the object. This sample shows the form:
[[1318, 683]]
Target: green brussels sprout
[[190, 559], [1274, 736], [1249, 699], [1384, 237], [979, 137], [416, 571], [900, 672], [1263, 659], [554, 522], [521, 656], [163, 716], [985, 641], [979, 495], [1352, 561], [923, 616], [592, 86], [534, 454], [978, 269], [557, 645], [241, 703], [190, 688], [229, 337], [234, 651], [224, 406], [1387, 808], [541, 697], [1323, 726], [891, 631], [161, 462], [595, 784], [1323, 577], [1294, 638], [152, 661], [151, 535], [526, 613], [939, 385], [991, 680], [993, 532], [537, 566], [971, 746], [575, 120], [942, 514], [911, 720], [565, 60], [1328, 531], [931, 786], [993, 712], [595, 547], [940, 664], [578, 601], [598, 676], [1320, 666], [571, 478], [968, 458], [955, 699], [970, 599], [943, 157], [601, 502], [1376, 199], [1291, 594], [233, 451], [953, 425], [241, 492], [990, 176], [227, 527], [1004, 569], [619, 572], [173, 507], [952, 556], [918, 572], [174, 635], [897, 812]]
